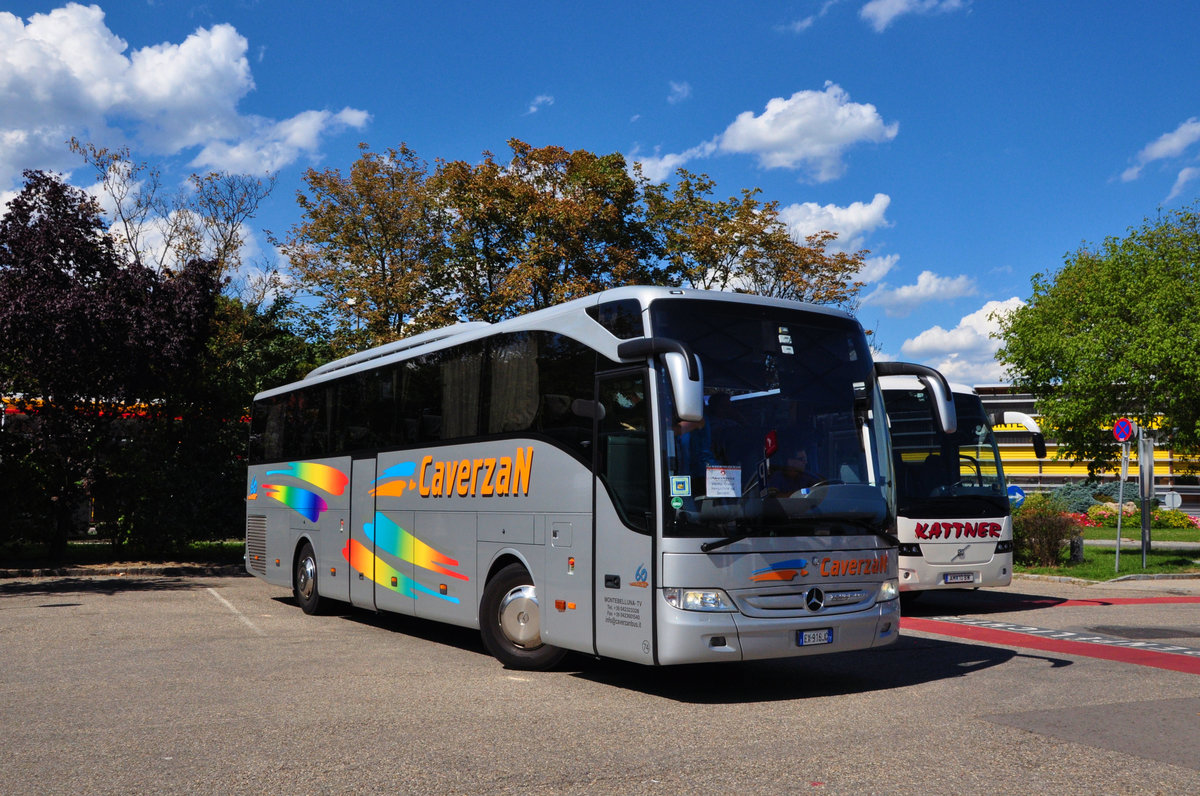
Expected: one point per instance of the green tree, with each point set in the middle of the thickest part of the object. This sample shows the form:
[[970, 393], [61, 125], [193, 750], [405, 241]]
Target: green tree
[[1115, 332], [367, 250], [549, 226], [741, 243]]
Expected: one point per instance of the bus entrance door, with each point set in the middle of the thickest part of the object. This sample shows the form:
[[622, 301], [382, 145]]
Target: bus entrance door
[[623, 520]]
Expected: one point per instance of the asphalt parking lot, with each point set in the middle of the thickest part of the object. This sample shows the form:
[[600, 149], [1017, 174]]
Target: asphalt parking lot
[[172, 684]]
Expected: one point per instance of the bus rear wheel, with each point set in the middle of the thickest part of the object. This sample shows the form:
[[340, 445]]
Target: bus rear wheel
[[304, 580], [510, 622]]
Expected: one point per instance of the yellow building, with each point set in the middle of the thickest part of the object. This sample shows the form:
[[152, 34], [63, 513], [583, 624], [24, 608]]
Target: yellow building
[[1021, 467]]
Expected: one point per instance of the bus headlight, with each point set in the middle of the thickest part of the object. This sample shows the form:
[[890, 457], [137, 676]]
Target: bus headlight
[[889, 590], [699, 599]]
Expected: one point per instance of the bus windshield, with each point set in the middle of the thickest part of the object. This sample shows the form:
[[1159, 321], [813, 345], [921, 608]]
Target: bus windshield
[[793, 440], [940, 475]]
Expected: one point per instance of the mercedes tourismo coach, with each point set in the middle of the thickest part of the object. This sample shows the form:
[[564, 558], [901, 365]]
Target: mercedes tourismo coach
[[955, 524], [580, 478]]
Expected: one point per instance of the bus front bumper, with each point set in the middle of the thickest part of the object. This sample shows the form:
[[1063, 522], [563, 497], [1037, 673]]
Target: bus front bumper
[[704, 637]]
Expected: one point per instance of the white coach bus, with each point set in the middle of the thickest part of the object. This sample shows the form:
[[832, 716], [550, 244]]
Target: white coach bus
[[580, 478], [955, 525]]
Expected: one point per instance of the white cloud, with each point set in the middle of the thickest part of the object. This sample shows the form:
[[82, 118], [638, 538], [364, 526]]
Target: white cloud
[[1167, 146], [273, 145], [64, 73], [657, 168], [966, 353], [1185, 176], [900, 301], [679, 92], [539, 102], [852, 223], [882, 13], [876, 268], [810, 131], [802, 25]]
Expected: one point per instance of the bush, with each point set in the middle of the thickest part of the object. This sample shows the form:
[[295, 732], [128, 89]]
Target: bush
[[1171, 518], [1111, 489], [1041, 527], [1077, 498], [1105, 515]]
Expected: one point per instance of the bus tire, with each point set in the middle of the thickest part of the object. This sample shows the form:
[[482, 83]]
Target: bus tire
[[304, 580], [510, 622]]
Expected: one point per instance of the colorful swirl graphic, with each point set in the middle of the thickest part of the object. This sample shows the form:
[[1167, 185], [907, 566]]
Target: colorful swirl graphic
[[401, 470], [364, 561], [401, 474], [308, 504], [784, 570], [322, 476], [394, 540]]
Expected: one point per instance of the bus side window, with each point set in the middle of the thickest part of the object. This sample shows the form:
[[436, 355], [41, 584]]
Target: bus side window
[[624, 454]]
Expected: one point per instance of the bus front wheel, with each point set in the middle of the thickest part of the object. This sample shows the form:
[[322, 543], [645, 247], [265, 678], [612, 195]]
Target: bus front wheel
[[510, 622], [304, 580]]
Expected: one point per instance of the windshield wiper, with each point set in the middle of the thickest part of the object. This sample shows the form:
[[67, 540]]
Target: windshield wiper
[[728, 540]]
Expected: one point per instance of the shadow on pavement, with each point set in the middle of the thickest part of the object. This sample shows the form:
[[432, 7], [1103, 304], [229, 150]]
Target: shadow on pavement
[[98, 585], [425, 629], [909, 661], [977, 601]]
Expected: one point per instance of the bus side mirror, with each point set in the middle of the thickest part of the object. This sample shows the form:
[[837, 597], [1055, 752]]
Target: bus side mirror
[[688, 392], [683, 371], [935, 383], [1021, 419]]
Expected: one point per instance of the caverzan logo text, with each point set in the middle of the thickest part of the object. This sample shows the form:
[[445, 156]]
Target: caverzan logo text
[[495, 476], [957, 530], [832, 568]]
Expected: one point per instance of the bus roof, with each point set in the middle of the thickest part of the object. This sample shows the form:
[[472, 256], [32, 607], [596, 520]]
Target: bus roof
[[567, 318]]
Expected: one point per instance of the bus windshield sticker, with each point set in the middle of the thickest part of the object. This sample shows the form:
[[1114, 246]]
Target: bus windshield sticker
[[681, 486], [723, 482]]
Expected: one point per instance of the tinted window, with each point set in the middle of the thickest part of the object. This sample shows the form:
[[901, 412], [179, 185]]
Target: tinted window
[[622, 318], [528, 383]]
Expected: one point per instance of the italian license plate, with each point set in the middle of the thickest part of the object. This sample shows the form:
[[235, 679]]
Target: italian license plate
[[959, 577], [808, 638]]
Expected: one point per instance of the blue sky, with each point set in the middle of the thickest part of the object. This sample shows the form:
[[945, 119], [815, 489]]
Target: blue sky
[[968, 144]]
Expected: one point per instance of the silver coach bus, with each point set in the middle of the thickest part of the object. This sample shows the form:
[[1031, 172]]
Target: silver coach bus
[[650, 474], [954, 522]]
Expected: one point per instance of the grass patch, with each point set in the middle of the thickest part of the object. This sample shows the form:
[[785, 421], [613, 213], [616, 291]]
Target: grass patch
[[1099, 564], [1133, 531]]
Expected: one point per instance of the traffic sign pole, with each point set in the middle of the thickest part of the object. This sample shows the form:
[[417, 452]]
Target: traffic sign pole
[[1121, 497], [1146, 477], [1123, 429]]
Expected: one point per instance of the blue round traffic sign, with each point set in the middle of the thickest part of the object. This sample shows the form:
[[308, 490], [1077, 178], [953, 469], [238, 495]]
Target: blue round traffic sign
[[1016, 496], [1123, 429]]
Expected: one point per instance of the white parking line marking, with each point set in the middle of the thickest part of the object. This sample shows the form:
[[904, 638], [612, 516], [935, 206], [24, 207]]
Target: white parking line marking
[[242, 617]]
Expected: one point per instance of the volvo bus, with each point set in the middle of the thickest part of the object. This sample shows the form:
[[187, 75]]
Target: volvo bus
[[581, 478], [954, 524]]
